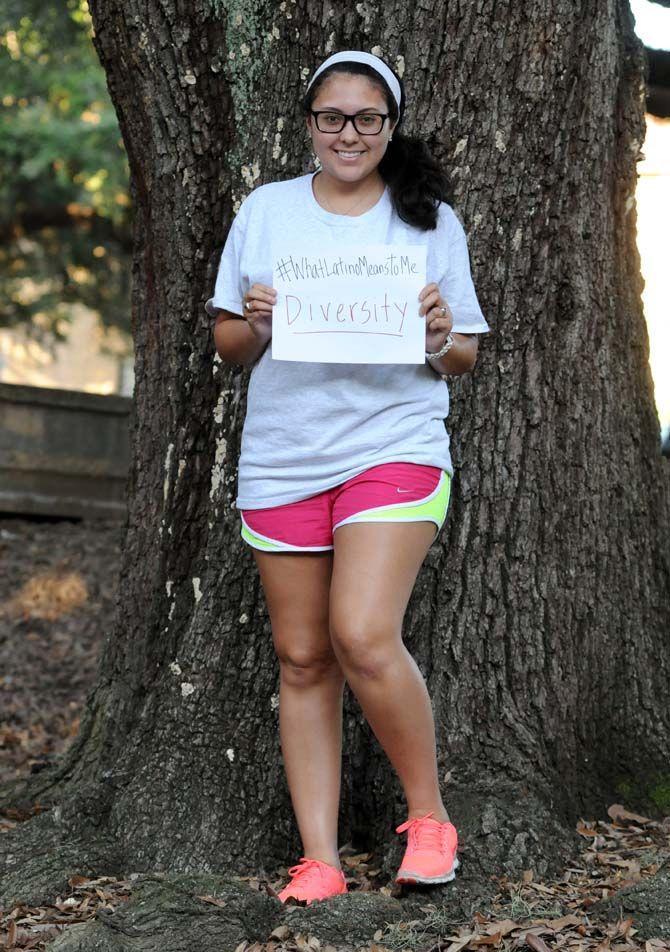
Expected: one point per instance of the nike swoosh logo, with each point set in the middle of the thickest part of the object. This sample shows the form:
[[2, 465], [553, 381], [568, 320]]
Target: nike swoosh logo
[[404, 490]]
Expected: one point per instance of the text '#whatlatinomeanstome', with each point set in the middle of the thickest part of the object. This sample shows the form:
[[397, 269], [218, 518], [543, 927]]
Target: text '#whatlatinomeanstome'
[[305, 269]]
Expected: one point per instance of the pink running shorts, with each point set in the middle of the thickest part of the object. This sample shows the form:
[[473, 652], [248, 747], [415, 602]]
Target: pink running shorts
[[391, 492]]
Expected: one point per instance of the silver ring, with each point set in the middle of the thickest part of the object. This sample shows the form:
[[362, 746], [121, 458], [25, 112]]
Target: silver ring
[[248, 306], [444, 311]]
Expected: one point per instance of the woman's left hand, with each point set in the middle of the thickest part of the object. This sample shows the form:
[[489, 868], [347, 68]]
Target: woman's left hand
[[439, 319]]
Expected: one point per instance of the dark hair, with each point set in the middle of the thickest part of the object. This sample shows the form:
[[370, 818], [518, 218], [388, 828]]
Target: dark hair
[[414, 178]]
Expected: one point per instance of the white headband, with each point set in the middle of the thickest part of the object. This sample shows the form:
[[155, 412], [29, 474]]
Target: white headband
[[358, 56]]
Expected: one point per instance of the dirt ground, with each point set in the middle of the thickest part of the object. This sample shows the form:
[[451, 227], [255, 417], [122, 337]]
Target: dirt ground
[[57, 598]]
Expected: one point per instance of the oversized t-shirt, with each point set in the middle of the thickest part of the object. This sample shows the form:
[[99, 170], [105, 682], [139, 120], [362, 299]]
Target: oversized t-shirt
[[310, 426]]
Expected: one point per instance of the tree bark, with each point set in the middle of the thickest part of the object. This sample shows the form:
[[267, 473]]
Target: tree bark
[[540, 617]]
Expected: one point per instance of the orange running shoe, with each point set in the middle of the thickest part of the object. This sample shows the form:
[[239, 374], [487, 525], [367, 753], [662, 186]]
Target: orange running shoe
[[430, 856], [312, 879]]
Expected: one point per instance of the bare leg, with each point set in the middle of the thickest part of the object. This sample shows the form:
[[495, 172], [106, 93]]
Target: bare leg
[[374, 571], [296, 587]]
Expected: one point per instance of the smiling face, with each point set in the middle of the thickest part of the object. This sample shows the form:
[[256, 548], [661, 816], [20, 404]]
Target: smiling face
[[348, 156]]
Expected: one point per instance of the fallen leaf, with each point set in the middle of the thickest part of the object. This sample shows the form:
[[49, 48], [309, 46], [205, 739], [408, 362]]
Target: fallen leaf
[[281, 932], [586, 830], [505, 926], [271, 892], [459, 942], [356, 860], [618, 812], [556, 925], [213, 900], [78, 880], [493, 939], [535, 943]]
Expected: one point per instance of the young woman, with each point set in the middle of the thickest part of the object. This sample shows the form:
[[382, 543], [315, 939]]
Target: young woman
[[344, 473]]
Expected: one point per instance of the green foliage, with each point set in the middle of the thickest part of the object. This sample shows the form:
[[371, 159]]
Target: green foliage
[[47, 271], [641, 794], [625, 788], [64, 206], [660, 794]]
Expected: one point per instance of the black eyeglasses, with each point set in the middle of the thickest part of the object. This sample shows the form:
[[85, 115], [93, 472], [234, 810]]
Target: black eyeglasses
[[365, 123]]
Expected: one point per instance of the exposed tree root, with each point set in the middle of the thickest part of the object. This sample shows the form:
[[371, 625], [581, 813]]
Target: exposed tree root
[[170, 914], [648, 902], [38, 857], [167, 914]]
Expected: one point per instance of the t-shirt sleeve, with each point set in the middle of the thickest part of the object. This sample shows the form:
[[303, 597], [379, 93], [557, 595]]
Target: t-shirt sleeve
[[231, 285], [456, 281]]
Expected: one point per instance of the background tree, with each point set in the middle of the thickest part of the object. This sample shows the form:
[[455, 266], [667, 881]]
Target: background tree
[[65, 216], [540, 617]]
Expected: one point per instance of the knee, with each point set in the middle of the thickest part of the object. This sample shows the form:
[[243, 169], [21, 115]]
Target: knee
[[363, 651], [304, 667]]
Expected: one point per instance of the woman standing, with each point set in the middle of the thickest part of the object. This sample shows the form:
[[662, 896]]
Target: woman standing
[[345, 472]]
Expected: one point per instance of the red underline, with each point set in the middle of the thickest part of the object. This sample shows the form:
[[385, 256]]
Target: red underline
[[377, 333]]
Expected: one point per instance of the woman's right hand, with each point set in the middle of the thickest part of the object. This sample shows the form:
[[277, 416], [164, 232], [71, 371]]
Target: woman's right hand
[[258, 303]]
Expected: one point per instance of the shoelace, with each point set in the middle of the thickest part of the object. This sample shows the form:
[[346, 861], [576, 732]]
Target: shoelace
[[305, 869], [424, 835]]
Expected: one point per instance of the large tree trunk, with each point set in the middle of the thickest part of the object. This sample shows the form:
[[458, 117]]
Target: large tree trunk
[[540, 618]]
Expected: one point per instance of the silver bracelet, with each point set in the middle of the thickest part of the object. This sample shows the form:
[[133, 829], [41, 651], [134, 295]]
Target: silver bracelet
[[446, 347]]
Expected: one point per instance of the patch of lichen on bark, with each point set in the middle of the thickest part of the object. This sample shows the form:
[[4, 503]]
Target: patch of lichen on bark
[[250, 34]]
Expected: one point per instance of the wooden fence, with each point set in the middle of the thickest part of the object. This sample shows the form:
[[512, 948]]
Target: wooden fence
[[63, 452]]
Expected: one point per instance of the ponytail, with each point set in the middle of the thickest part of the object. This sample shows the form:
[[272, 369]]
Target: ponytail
[[415, 181]]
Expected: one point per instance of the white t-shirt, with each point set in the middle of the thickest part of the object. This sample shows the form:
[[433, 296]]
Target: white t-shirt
[[311, 426]]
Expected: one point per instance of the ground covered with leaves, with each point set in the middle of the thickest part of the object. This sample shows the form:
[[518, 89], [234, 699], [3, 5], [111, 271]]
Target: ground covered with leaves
[[57, 592]]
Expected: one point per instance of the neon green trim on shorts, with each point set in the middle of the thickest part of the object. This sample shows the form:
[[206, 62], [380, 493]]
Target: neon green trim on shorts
[[434, 510], [256, 541]]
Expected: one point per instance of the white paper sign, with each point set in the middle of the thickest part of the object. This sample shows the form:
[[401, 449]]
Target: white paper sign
[[356, 306]]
